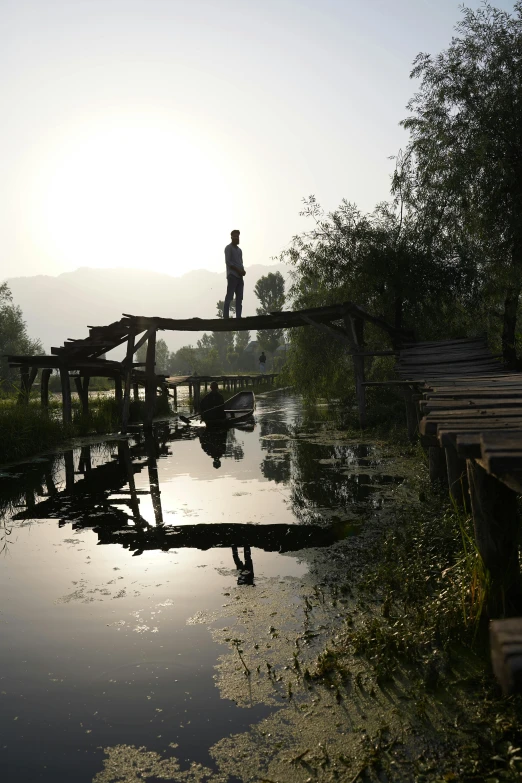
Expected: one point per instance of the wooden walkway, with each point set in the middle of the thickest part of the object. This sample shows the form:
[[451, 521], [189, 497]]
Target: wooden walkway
[[86, 356], [468, 411]]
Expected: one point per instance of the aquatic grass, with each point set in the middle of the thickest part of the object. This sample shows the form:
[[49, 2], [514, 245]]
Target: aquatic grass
[[27, 430]]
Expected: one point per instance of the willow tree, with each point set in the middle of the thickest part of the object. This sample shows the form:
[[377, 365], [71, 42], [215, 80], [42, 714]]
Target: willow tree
[[465, 145]]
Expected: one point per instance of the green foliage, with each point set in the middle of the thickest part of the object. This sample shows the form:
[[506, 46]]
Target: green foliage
[[444, 256], [270, 290], [216, 353], [464, 158], [13, 334]]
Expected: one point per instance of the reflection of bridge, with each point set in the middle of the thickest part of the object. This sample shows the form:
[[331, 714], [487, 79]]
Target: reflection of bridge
[[106, 500]]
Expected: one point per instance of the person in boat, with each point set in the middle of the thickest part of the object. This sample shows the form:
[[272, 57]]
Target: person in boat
[[235, 275], [262, 363], [212, 406]]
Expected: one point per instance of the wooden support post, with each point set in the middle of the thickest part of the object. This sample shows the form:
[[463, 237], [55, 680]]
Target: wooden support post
[[118, 390], [197, 396], [176, 397], [69, 470], [150, 379], [496, 523], [437, 465], [457, 478], [411, 415], [155, 491], [126, 461], [66, 396], [82, 387], [44, 387], [355, 328], [85, 463], [23, 396], [136, 391], [127, 369], [505, 638], [206, 387]]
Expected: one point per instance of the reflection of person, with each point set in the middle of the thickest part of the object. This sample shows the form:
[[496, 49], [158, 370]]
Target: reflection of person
[[214, 443], [212, 406], [246, 569], [235, 275], [262, 362]]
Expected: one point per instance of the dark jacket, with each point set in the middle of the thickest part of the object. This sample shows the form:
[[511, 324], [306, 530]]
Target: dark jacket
[[215, 401]]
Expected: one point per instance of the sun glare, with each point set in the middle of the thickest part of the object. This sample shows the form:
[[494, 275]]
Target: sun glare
[[132, 195]]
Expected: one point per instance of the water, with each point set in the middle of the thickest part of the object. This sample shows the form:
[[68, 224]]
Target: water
[[109, 550]]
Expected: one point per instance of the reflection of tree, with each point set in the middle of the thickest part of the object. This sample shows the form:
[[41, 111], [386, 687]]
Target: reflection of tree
[[277, 467], [234, 447]]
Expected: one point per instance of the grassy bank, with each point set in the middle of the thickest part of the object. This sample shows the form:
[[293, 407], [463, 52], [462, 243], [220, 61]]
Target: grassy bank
[[29, 429]]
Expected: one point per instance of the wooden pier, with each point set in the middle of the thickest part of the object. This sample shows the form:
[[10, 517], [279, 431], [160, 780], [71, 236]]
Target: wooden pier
[[467, 411]]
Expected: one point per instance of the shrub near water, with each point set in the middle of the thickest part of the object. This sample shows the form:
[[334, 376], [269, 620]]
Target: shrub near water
[[27, 429]]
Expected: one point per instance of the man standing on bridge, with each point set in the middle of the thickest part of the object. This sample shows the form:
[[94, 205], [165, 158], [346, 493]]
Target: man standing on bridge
[[235, 275]]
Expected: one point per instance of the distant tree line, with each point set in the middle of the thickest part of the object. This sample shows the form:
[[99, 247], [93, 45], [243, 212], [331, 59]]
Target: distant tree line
[[227, 352]]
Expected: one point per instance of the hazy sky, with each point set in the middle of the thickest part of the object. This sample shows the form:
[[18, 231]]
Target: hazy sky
[[138, 133]]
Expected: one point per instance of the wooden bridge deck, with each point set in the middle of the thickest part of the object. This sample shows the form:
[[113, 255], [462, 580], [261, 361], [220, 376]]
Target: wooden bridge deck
[[469, 414]]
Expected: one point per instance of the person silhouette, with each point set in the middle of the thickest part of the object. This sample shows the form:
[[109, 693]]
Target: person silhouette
[[246, 569], [214, 443]]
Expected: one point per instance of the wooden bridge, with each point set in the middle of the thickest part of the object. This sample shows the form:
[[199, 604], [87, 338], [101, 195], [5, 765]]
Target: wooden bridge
[[467, 411], [86, 357]]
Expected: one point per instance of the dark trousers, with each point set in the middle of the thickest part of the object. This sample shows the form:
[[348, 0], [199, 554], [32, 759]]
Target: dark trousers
[[235, 286]]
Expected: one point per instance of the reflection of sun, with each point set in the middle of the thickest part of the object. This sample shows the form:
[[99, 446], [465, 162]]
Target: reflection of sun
[[132, 196]]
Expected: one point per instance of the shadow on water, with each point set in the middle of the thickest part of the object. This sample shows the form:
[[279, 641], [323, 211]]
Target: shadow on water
[[258, 491]]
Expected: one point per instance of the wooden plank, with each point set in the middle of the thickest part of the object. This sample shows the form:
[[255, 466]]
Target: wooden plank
[[505, 638], [150, 379], [496, 525], [127, 368], [44, 387], [66, 396], [468, 426], [429, 406]]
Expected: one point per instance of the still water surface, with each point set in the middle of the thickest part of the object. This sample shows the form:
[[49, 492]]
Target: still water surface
[[109, 549]]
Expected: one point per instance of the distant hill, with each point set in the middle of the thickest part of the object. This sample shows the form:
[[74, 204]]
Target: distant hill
[[56, 308]]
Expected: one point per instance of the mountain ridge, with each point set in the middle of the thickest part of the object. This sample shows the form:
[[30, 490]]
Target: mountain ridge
[[56, 307]]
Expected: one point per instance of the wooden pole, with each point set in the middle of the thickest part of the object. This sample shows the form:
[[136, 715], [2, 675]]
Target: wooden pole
[[44, 387], [118, 390], [457, 478], [176, 397], [23, 394], [411, 415], [355, 329], [66, 396], [136, 391], [127, 369], [150, 380], [155, 491], [437, 464], [82, 387], [69, 470], [197, 396], [496, 523]]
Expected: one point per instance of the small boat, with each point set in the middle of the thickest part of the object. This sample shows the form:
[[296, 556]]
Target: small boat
[[238, 408]]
